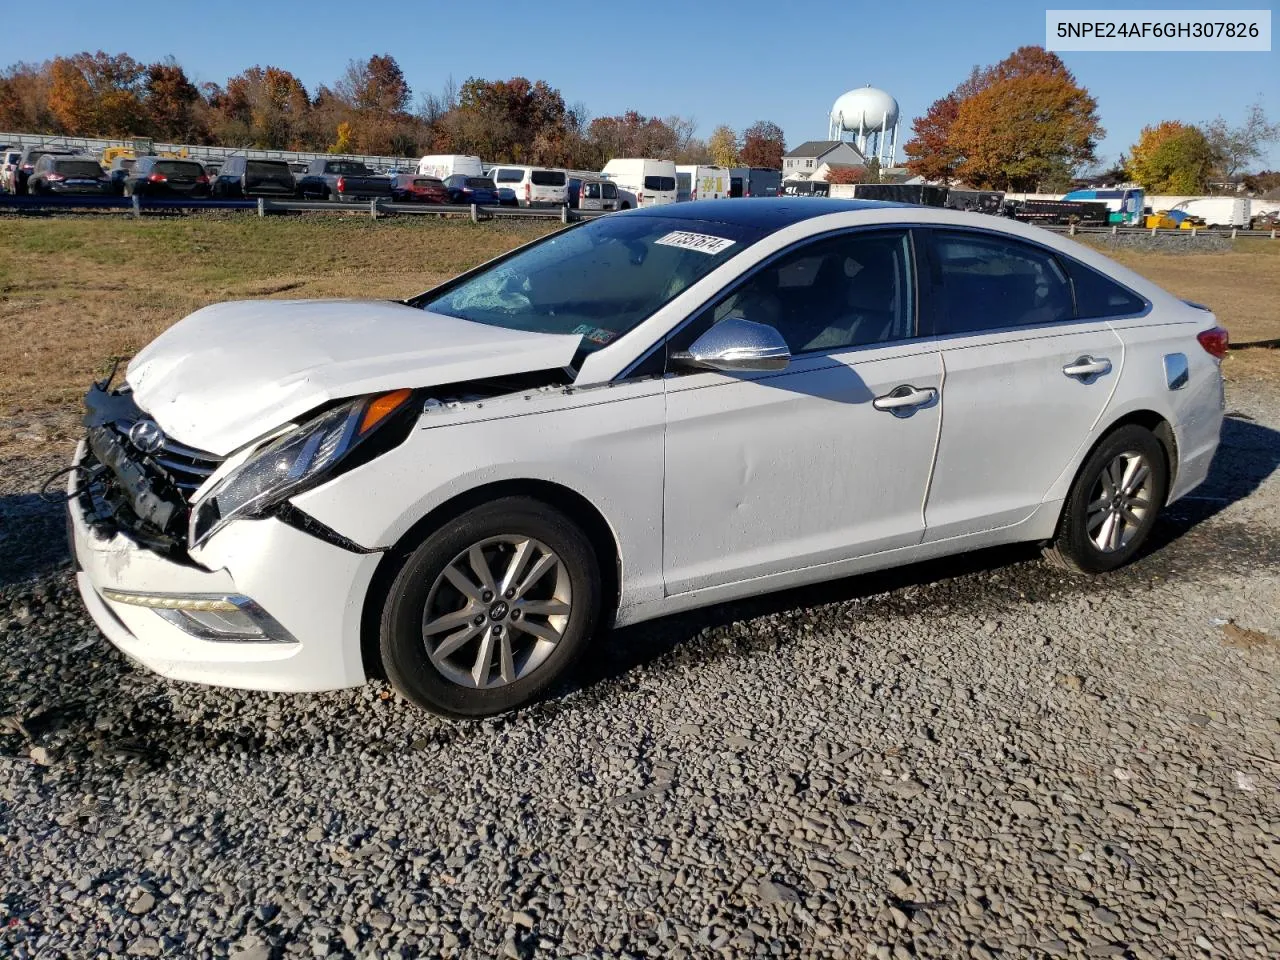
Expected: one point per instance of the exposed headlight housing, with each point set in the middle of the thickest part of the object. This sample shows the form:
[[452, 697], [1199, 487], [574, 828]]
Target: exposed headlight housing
[[302, 458]]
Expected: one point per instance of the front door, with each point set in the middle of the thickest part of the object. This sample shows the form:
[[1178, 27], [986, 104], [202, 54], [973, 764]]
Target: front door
[[824, 461]]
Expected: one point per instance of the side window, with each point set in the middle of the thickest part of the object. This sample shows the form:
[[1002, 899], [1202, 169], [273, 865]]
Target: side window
[[1098, 297], [843, 291], [989, 283]]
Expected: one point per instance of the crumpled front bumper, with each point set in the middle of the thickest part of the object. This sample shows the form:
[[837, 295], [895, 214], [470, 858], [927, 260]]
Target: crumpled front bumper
[[314, 590]]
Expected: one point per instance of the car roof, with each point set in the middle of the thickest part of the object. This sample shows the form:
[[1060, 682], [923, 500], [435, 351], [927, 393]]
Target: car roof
[[761, 213]]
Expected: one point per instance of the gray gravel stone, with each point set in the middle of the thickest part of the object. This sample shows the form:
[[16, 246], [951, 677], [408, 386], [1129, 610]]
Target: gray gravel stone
[[863, 769]]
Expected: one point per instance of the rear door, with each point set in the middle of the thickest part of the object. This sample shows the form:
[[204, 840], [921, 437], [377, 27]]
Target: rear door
[[824, 461], [1025, 380]]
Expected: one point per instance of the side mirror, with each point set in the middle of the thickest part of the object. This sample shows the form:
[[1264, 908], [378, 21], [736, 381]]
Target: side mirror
[[737, 345]]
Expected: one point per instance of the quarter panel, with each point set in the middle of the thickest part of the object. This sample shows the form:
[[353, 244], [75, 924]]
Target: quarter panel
[[604, 444]]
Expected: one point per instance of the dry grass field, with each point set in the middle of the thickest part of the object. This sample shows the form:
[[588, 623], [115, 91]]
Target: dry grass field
[[75, 293]]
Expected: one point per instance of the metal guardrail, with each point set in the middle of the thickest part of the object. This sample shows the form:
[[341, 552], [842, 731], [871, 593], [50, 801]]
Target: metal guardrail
[[374, 208], [476, 212], [1233, 233]]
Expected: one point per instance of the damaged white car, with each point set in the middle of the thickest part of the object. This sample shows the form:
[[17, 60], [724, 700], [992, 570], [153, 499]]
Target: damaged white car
[[641, 414]]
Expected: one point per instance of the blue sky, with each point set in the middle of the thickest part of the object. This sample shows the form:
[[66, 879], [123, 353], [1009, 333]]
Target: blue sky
[[731, 63]]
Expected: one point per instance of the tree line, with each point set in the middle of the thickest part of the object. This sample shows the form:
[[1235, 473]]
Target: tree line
[[1026, 123], [368, 110]]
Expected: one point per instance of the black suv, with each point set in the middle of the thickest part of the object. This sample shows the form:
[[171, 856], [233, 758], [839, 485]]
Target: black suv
[[68, 176], [167, 177], [30, 157], [243, 177]]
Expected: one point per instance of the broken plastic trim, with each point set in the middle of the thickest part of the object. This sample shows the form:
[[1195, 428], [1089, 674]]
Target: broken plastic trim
[[299, 519]]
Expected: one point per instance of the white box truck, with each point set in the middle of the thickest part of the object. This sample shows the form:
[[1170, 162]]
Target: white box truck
[[701, 182], [643, 183], [1220, 211], [443, 165]]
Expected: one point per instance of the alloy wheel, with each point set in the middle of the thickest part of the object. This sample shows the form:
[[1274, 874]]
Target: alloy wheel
[[1120, 502], [497, 611]]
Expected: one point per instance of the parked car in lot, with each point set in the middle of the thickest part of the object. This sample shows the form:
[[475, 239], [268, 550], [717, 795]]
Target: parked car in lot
[[9, 160], [445, 165], [533, 186], [119, 172], [589, 194], [241, 177], [637, 415], [69, 176], [410, 188], [464, 189], [701, 182], [643, 183], [342, 180], [507, 197], [167, 177], [30, 157]]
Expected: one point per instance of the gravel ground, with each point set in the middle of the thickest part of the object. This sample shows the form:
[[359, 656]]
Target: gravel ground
[[980, 757]]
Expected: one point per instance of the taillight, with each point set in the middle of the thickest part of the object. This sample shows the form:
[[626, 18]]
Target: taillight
[[1215, 341], [28, 167], [202, 179], [528, 191], [56, 177], [639, 198], [157, 178], [342, 184]]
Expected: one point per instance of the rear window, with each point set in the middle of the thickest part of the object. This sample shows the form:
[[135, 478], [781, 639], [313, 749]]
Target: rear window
[[510, 176], [179, 168], [659, 183], [609, 191], [349, 168], [425, 182], [1097, 296], [125, 164], [591, 190], [78, 168], [268, 168], [548, 178], [480, 183], [12, 157]]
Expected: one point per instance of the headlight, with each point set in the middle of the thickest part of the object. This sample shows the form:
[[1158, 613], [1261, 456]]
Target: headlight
[[302, 458]]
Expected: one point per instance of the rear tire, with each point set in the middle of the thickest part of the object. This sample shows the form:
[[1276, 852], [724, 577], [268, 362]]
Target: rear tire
[[449, 600], [1113, 503]]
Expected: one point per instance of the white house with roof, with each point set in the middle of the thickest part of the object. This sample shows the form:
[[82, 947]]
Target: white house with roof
[[812, 155]]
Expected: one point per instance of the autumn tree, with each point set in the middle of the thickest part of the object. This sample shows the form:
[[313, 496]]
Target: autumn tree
[[514, 119], [847, 173], [929, 152], [1022, 121], [263, 107], [24, 98], [1172, 157], [97, 94], [723, 146], [633, 135], [1237, 147], [172, 103], [763, 145]]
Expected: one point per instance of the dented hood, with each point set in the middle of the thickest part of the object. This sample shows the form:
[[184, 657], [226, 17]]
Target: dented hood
[[231, 372]]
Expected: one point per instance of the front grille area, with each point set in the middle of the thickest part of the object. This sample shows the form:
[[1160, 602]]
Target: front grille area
[[146, 496], [186, 468]]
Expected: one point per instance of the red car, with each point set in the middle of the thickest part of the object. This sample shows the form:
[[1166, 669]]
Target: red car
[[410, 188]]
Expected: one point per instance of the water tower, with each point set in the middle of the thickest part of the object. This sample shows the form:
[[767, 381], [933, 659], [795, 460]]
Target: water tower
[[871, 116]]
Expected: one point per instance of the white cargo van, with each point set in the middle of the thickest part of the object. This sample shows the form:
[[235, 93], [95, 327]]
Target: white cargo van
[[650, 182], [534, 186], [444, 165], [1219, 211], [701, 182]]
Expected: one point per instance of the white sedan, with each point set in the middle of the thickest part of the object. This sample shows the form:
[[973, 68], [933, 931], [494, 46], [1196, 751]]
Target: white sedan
[[648, 412]]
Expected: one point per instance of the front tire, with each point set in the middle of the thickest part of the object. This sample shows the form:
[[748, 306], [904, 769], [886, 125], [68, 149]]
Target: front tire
[[1113, 503], [491, 609]]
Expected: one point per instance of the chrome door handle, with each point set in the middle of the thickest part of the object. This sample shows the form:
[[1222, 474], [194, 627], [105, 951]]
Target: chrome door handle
[[904, 399], [1087, 368]]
